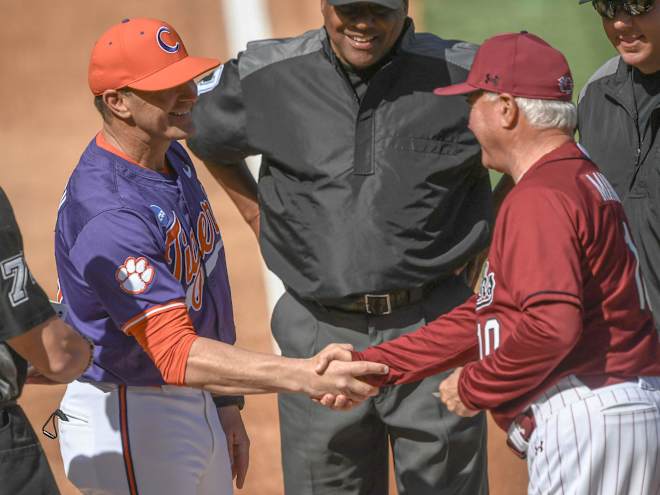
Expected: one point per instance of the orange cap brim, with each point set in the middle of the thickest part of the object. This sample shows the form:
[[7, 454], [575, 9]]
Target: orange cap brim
[[174, 75]]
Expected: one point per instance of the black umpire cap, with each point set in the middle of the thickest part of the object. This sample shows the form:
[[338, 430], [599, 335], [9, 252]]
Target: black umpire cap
[[391, 4]]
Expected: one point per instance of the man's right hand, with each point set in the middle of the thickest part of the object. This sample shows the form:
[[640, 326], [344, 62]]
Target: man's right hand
[[342, 379], [332, 352]]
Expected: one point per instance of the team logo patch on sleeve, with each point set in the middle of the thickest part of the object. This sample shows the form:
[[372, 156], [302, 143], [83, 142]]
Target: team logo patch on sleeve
[[135, 275], [487, 289]]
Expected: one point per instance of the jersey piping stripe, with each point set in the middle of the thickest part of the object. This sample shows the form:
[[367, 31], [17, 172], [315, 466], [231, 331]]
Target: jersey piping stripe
[[556, 293], [139, 318], [125, 441]]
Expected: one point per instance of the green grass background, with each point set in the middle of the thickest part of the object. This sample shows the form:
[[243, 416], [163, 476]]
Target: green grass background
[[574, 29]]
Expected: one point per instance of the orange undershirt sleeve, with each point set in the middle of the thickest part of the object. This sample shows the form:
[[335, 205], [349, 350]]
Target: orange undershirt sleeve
[[166, 334]]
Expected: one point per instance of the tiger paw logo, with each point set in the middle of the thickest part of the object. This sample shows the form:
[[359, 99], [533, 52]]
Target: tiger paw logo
[[135, 275]]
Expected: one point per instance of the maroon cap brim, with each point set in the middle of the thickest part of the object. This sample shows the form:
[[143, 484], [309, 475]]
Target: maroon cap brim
[[456, 89]]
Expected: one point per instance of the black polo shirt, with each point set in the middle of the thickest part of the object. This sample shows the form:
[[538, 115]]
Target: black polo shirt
[[23, 304]]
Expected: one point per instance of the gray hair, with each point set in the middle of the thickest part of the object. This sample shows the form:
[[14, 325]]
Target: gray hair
[[546, 114]]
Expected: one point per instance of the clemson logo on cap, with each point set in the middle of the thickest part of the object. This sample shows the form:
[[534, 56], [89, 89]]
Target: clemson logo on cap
[[566, 85], [163, 44]]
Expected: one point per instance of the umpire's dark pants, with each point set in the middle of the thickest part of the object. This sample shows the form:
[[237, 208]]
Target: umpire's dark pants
[[328, 452], [24, 468]]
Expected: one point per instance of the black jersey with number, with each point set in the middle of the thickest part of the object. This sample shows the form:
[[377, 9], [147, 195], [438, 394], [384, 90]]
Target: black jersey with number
[[23, 304]]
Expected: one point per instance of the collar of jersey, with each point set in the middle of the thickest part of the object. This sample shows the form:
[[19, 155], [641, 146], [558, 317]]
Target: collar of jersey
[[567, 151], [131, 165]]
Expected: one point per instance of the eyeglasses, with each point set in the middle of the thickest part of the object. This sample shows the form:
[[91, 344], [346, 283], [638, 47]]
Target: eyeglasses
[[609, 8]]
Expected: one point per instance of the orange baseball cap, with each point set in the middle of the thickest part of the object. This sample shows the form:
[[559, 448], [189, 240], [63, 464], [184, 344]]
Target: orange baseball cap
[[144, 54]]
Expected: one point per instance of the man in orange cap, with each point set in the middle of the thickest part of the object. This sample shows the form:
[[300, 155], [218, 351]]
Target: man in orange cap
[[141, 265]]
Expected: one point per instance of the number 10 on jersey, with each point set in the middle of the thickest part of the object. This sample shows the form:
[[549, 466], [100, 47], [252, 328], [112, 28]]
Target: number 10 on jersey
[[488, 337]]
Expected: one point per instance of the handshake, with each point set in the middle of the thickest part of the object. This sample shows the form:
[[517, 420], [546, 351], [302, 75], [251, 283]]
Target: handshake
[[342, 383], [334, 380]]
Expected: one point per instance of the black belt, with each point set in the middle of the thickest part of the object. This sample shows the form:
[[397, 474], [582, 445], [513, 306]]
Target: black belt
[[380, 304]]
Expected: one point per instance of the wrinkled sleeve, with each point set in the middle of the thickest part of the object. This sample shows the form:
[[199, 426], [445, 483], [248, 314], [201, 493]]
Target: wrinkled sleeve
[[220, 118], [447, 342], [121, 258], [540, 264]]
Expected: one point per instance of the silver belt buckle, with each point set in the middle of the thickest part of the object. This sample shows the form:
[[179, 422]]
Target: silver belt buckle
[[388, 303]]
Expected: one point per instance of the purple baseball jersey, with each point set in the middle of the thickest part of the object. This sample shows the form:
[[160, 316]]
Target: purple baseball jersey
[[131, 242]]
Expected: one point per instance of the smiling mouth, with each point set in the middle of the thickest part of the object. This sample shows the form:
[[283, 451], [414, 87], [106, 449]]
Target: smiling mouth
[[361, 42], [630, 38], [180, 114]]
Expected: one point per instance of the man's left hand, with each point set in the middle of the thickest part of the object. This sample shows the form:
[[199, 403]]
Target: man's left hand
[[449, 395], [238, 442], [35, 377]]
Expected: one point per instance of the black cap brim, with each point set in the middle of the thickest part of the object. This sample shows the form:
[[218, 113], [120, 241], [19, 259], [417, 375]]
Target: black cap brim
[[390, 4], [584, 1]]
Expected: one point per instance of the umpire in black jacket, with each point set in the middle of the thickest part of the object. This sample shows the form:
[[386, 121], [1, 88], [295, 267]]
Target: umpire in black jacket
[[619, 123], [371, 198]]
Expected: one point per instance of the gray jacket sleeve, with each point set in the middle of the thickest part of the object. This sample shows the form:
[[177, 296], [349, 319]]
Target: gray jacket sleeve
[[220, 118], [23, 303]]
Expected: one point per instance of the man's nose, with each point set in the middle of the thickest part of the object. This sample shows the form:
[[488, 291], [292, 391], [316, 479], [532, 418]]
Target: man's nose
[[363, 18], [622, 19]]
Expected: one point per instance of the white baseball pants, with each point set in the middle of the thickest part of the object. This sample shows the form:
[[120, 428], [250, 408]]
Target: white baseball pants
[[143, 440], [604, 441]]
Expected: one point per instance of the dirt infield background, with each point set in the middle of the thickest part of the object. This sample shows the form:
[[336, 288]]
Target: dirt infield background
[[49, 118]]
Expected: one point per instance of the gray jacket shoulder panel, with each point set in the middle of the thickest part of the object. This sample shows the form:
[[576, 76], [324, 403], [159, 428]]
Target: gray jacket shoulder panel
[[460, 53], [609, 68], [260, 54]]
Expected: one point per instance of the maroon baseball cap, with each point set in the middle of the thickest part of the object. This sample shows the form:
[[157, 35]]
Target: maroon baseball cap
[[520, 64]]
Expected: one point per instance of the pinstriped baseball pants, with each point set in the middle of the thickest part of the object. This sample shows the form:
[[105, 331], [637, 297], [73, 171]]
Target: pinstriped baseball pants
[[604, 441]]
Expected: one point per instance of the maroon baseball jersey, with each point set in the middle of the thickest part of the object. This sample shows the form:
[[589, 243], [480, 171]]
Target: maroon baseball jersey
[[560, 237]]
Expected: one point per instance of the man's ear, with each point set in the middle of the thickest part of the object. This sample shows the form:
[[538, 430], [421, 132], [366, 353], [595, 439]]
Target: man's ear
[[508, 110], [115, 101]]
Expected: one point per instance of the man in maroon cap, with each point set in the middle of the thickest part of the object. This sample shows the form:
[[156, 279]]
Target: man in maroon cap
[[558, 342]]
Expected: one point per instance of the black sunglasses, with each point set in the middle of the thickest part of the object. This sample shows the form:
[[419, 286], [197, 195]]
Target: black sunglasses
[[609, 8]]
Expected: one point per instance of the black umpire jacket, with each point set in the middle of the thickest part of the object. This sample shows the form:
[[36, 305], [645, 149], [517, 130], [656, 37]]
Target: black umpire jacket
[[607, 120], [355, 196]]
